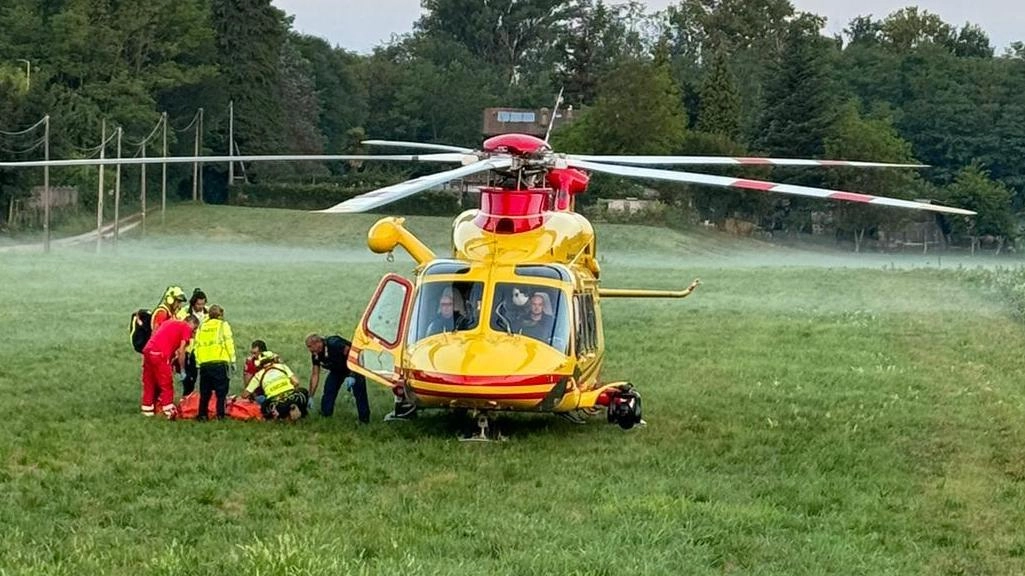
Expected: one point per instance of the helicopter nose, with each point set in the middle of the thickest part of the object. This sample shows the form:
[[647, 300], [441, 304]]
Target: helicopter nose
[[504, 370]]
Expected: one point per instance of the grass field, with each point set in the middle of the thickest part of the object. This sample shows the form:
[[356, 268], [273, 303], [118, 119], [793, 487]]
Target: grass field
[[807, 414]]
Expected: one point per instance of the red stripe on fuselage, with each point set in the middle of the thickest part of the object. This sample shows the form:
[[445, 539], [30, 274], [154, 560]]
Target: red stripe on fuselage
[[463, 380], [753, 161], [482, 394]]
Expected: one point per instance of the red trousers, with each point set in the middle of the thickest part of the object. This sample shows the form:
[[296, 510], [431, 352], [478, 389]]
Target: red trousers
[[157, 383]]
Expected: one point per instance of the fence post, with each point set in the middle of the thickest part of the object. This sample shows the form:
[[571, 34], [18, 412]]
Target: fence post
[[99, 194], [46, 186], [163, 176], [117, 188], [142, 186]]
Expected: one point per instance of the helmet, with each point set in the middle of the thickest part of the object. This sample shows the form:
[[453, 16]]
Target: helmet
[[266, 358], [519, 297], [174, 293]]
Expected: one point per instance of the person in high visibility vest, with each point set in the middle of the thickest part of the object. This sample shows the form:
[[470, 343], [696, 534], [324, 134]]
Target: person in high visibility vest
[[174, 298], [214, 349], [197, 308], [285, 400]]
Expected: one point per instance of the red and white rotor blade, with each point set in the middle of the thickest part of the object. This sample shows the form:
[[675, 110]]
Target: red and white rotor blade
[[424, 145], [762, 186], [389, 194], [732, 161], [447, 158]]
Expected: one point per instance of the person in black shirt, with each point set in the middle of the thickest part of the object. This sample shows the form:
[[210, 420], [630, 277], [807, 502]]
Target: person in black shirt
[[332, 353], [451, 316]]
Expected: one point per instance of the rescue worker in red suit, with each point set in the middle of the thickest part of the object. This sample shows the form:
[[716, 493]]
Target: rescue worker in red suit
[[166, 346]]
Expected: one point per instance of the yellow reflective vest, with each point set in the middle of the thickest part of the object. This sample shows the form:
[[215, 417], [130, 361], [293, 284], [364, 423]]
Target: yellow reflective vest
[[213, 342], [275, 379]]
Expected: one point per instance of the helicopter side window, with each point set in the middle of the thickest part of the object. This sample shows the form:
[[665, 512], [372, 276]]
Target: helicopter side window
[[583, 342], [445, 307], [587, 336], [539, 312], [590, 325]]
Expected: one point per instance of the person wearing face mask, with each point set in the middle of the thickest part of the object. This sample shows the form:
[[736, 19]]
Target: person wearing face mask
[[196, 309]]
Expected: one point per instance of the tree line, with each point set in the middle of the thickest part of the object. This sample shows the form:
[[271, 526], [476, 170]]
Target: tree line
[[751, 77]]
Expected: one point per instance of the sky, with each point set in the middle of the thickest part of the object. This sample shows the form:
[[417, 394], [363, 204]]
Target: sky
[[359, 25]]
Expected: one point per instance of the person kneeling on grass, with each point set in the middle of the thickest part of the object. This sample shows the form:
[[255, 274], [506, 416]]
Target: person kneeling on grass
[[285, 400]]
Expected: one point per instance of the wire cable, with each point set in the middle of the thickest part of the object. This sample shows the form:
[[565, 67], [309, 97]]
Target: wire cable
[[96, 149], [33, 147], [25, 131], [191, 124], [153, 133]]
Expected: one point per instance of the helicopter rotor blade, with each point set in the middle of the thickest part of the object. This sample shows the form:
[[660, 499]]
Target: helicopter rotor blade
[[451, 157], [424, 145], [389, 194], [762, 186], [732, 161]]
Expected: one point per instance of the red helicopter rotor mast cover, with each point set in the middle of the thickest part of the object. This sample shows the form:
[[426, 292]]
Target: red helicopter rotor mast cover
[[510, 211], [568, 182]]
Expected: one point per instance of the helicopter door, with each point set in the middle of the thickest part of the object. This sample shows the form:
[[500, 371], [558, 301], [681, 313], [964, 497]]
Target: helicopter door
[[377, 344]]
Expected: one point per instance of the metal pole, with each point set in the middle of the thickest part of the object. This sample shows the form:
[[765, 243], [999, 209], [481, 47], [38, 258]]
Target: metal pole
[[99, 194], [142, 187], [46, 187], [195, 165], [163, 176], [231, 142], [28, 73], [201, 199], [117, 189]]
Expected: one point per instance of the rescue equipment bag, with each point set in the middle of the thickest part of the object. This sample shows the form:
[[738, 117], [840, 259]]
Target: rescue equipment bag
[[234, 408], [139, 330]]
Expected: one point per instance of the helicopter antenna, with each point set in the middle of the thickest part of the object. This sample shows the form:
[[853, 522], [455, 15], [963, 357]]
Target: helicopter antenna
[[555, 112]]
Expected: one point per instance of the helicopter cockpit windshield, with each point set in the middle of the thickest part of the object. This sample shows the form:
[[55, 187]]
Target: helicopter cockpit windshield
[[536, 311], [446, 307]]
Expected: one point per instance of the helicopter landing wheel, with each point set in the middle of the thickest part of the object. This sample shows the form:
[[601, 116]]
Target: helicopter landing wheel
[[486, 432], [625, 408]]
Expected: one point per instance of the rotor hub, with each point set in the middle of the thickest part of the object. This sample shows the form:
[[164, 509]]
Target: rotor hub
[[518, 145]]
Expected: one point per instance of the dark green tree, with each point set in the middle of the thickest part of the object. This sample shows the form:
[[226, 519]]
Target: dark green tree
[[871, 140], [597, 39], [800, 96], [639, 111], [512, 35], [974, 190], [341, 92], [250, 38], [720, 103]]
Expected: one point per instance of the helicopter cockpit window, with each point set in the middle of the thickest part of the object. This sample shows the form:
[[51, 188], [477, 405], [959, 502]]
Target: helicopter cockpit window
[[540, 312], [543, 271], [447, 267], [445, 307]]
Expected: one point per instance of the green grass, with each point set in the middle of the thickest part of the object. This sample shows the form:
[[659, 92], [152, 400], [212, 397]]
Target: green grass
[[808, 414]]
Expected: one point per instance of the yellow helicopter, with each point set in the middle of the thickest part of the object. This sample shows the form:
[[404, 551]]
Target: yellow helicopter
[[511, 320]]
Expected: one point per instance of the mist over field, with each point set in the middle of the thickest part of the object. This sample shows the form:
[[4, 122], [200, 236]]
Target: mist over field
[[809, 411]]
